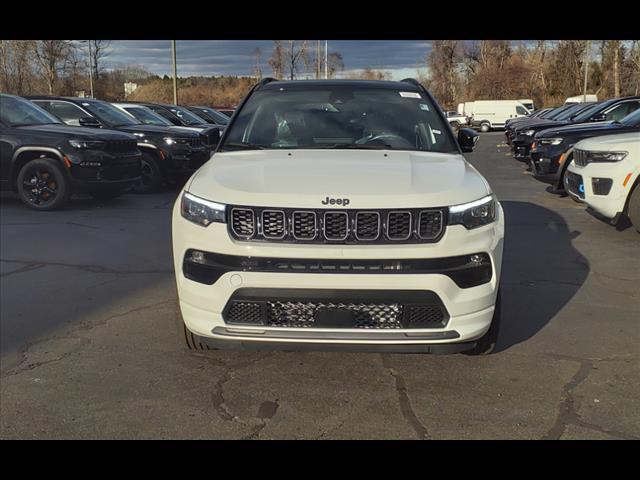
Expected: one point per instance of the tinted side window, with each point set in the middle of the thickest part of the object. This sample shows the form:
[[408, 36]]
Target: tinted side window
[[620, 111], [67, 112], [521, 111]]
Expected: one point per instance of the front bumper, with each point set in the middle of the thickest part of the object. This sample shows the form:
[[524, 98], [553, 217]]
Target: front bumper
[[546, 165], [470, 310], [521, 147], [187, 161], [113, 172], [612, 204]]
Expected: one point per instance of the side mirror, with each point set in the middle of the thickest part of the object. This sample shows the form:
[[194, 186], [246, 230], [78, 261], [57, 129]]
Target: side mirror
[[601, 117], [214, 137], [89, 122], [467, 138]]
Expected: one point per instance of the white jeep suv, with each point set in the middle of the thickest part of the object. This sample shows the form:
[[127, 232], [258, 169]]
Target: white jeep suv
[[339, 214], [605, 174]]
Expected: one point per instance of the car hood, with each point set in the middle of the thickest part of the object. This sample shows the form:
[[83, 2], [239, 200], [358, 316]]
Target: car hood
[[86, 133], [156, 130], [579, 129], [624, 141], [369, 179], [539, 125]]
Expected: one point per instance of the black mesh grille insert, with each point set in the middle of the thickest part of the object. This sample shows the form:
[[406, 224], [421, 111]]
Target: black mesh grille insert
[[367, 225], [430, 223], [336, 225], [423, 316], [247, 313], [304, 314], [273, 223], [242, 222], [304, 225], [399, 225]]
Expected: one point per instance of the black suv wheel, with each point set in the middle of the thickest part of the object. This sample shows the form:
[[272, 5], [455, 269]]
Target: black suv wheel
[[42, 184], [151, 174], [486, 344]]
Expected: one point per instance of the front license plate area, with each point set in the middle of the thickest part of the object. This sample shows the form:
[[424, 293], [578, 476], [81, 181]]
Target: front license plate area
[[334, 318]]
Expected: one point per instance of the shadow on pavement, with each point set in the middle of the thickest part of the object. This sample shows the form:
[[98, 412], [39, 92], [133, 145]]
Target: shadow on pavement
[[541, 270]]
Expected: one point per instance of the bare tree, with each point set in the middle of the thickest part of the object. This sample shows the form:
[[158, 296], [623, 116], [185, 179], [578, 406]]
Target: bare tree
[[335, 63], [295, 55], [16, 69], [443, 62], [99, 51], [276, 62], [53, 58]]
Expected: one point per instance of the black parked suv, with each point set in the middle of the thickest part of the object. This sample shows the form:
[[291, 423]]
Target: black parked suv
[[552, 149], [209, 114], [182, 117], [608, 110], [167, 156], [46, 161]]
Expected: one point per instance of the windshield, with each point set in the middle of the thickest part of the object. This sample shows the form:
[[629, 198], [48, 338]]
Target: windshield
[[340, 117], [559, 111], [632, 120], [108, 114], [148, 116], [17, 112], [571, 111], [588, 113], [186, 116], [214, 115]]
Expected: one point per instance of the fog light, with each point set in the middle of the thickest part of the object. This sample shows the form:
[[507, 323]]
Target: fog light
[[477, 258], [197, 257]]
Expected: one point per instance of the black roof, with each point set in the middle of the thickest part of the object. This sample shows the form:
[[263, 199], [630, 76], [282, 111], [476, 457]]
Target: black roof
[[302, 84], [70, 99]]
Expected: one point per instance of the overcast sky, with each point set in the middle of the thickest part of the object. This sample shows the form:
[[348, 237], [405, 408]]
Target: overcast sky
[[401, 58]]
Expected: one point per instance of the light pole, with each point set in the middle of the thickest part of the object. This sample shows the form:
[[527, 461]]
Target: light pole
[[175, 73], [326, 59]]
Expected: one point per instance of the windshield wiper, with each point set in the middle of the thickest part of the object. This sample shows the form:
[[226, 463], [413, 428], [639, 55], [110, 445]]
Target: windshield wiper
[[360, 146], [243, 146]]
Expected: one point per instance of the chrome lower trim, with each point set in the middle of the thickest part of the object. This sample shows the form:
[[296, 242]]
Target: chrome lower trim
[[270, 334]]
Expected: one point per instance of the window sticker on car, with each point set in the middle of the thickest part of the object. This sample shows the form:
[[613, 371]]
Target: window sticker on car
[[84, 104], [410, 94], [424, 106]]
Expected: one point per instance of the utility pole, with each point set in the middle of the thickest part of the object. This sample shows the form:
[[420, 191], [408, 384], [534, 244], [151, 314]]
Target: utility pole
[[90, 69], [319, 60], [326, 59], [586, 71], [175, 73]]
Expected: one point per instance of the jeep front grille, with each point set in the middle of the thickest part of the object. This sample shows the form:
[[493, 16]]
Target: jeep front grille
[[337, 226]]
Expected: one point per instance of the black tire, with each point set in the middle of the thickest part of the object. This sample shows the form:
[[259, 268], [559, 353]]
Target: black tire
[[191, 340], [43, 184], [485, 127], [487, 343], [151, 175], [105, 195], [633, 210]]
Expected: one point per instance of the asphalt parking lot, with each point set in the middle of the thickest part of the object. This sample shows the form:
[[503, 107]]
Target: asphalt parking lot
[[89, 343]]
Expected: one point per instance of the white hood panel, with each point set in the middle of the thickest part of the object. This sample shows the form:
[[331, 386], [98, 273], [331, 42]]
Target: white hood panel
[[369, 179]]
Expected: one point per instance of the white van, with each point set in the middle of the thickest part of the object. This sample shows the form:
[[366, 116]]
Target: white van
[[468, 109], [488, 114], [581, 99], [461, 108], [528, 104]]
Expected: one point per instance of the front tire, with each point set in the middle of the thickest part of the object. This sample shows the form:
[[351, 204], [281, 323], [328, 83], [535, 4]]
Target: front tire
[[633, 211], [487, 343], [151, 174], [43, 184], [187, 338], [485, 127]]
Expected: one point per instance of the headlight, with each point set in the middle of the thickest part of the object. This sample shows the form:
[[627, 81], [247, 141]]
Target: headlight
[[169, 140], [201, 211], [595, 156], [528, 133], [550, 141], [87, 144], [474, 214]]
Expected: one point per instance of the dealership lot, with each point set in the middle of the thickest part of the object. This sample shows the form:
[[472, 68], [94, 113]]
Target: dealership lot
[[90, 348]]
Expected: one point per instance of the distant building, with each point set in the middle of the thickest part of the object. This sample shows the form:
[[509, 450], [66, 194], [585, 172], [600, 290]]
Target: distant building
[[81, 93], [129, 88]]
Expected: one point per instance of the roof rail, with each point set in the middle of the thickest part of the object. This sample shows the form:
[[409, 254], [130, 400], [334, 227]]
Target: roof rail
[[413, 81], [266, 80]]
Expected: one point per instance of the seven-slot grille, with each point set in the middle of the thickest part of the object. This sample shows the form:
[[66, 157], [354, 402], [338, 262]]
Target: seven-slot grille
[[122, 146], [337, 226], [580, 158]]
